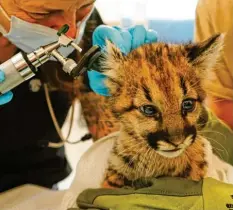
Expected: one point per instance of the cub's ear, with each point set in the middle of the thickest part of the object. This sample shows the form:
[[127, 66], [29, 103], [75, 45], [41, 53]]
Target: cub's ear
[[113, 66], [204, 56]]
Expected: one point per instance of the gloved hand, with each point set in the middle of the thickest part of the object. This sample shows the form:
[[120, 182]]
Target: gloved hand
[[5, 98], [125, 39]]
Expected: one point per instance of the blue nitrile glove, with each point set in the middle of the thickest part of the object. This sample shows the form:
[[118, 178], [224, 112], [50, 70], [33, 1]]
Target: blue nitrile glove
[[125, 40], [5, 98]]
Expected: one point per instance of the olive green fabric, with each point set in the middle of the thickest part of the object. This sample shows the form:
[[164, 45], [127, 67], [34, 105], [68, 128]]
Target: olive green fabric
[[172, 186], [217, 195], [142, 202], [163, 194], [221, 138]]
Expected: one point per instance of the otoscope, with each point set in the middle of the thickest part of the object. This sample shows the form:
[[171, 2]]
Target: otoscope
[[22, 66]]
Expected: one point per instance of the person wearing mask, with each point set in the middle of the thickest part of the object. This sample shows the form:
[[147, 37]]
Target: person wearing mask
[[26, 123]]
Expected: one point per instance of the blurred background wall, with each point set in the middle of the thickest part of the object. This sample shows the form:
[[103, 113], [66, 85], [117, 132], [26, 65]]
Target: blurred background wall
[[172, 19]]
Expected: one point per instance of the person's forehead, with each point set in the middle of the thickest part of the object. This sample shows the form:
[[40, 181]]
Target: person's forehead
[[48, 5]]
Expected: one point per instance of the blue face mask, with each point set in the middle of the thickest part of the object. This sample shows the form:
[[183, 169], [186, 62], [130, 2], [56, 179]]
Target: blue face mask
[[30, 36]]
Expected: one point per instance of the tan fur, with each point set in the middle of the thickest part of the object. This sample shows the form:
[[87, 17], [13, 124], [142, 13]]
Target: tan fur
[[162, 75]]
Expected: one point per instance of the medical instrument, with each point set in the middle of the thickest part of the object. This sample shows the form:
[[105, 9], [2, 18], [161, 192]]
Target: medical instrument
[[22, 66]]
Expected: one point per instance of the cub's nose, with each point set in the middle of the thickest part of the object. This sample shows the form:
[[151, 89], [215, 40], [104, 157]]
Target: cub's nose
[[176, 140]]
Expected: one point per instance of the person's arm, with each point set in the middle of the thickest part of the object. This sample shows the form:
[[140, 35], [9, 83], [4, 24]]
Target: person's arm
[[215, 16]]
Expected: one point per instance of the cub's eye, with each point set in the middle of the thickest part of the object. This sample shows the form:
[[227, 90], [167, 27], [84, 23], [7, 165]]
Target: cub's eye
[[188, 105], [148, 110]]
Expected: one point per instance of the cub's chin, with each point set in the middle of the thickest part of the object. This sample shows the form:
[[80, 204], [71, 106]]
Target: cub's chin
[[171, 153]]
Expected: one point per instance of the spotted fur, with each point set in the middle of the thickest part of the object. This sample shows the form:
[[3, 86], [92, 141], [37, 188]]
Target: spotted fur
[[163, 76]]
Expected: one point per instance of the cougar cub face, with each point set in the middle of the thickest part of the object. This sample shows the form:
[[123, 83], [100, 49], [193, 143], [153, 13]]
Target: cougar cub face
[[157, 92]]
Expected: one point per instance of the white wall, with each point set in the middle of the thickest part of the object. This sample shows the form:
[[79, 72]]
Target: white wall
[[140, 10]]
